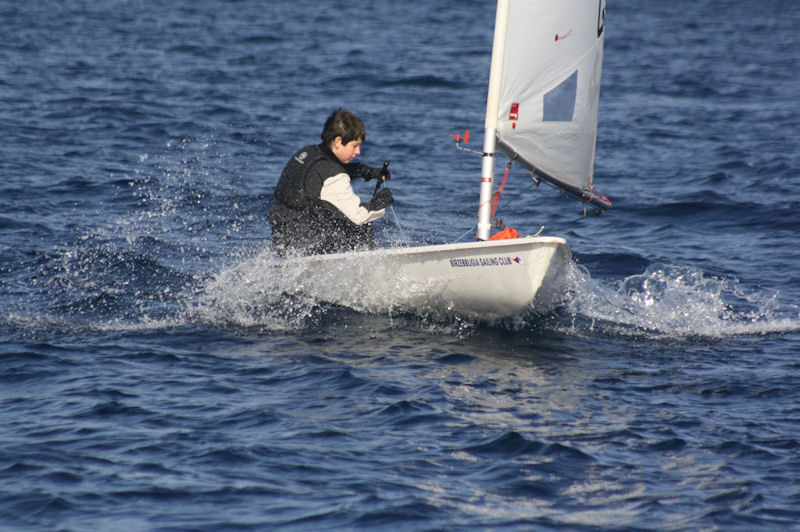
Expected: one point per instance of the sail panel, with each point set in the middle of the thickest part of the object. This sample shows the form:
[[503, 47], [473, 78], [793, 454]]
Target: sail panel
[[550, 85]]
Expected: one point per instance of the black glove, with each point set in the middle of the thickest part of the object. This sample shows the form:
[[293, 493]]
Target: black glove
[[382, 199]]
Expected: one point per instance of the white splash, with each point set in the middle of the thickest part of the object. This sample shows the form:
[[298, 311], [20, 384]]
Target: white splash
[[668, 301], [255, 292], [271, 293]]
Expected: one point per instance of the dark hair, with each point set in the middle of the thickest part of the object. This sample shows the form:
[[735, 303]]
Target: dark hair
[[343, 123]]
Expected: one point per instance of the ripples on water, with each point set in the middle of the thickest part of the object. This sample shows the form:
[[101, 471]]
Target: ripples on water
[[156, 374]]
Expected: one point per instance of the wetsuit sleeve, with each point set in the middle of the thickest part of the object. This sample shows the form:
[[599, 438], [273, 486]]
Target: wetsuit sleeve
[[338, 192], [358, 170]]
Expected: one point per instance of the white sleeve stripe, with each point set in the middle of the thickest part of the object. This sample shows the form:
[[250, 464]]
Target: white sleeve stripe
[[338, 192]]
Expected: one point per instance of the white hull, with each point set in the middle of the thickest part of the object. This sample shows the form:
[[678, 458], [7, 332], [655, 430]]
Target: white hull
[[488, 280]]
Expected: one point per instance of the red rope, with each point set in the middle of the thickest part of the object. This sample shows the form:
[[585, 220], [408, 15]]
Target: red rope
[[496, 198]]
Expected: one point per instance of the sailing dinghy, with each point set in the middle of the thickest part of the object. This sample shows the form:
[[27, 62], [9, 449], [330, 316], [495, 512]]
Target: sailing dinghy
[[541, 112]]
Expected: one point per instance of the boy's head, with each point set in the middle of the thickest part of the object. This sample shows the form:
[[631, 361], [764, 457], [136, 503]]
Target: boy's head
[[343, 123]]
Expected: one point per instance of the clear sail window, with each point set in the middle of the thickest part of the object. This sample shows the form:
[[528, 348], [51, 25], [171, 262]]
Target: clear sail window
[[559, 103]]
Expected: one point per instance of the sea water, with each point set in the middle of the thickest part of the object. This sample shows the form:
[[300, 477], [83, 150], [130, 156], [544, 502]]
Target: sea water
[[155, 376]]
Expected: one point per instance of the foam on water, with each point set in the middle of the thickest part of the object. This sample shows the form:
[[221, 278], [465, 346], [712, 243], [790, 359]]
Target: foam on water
[[253, 293], [671, 301], [268, 292]]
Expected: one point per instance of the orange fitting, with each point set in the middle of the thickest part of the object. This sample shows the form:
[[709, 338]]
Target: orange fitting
[[459, 137]]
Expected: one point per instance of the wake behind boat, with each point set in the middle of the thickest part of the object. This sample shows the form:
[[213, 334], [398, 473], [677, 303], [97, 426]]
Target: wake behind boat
[[541, 111]]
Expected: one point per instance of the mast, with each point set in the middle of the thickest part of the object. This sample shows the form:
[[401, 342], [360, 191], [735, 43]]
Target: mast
[[490, 126]]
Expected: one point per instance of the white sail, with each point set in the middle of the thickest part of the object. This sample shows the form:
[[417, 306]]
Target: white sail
[[550, 86]]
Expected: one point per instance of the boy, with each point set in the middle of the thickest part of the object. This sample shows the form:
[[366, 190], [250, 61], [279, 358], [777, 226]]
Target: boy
[[315, 209]]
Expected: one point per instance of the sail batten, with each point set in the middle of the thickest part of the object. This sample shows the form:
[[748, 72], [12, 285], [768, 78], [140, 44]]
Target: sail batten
[[549, 89]]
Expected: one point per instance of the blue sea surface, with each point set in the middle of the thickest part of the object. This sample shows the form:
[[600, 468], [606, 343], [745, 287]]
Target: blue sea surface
[[154, 376]]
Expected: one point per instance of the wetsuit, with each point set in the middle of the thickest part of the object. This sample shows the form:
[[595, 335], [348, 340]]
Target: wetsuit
[[316, 210]]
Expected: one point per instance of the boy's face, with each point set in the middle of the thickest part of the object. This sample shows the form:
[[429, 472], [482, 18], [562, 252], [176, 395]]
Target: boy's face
[[346, 152]]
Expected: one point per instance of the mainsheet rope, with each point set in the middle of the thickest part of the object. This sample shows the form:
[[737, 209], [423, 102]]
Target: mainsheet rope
[[397, 223]]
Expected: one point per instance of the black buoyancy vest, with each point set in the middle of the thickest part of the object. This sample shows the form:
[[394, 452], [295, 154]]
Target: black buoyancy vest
[[298, 187]]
